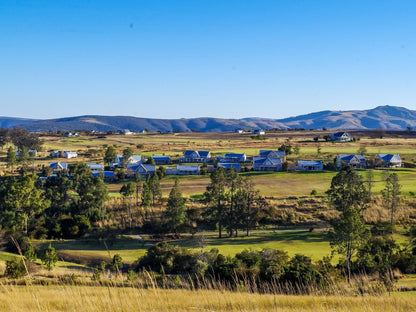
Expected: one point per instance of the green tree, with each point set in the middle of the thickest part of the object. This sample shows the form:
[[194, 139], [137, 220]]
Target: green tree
[[50, 257], [175, 211], [348, 191], [216, 198], [127, 153], [391, 194], [151, 161], [15, 268], [348, 235], [30, 254], [110, 154], [147, 197], [11, 158], [116, 263], [92, 193], [127, 190], [20, 201], [154, 186]]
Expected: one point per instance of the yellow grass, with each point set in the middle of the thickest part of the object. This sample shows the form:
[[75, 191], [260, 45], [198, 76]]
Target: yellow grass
[[83, 298]]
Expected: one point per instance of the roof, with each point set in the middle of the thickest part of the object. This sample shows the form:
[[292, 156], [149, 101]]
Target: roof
[[147, 168], [234, 155], [229, 166], [348, 157], [339, 134], [187, 168], [56, 165], [161, 157], [262, 160], [388, 157], [107, 174], [265, 153], [309, 163], [199, 153], [96, 166]]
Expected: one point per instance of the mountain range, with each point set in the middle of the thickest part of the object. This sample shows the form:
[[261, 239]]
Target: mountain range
[[381, 117]]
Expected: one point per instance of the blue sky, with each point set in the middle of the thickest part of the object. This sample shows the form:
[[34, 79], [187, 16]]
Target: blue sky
[[225, 58]]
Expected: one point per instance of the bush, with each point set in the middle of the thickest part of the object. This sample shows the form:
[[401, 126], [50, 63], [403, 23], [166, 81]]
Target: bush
[[15, 268]]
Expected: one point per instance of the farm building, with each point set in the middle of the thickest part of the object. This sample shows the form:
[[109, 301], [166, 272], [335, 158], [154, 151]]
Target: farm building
[[69, 154], [273, 154], [96, 167], [133, 159]]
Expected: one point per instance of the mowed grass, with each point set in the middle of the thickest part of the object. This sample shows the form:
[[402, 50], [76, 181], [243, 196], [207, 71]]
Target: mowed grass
[[83, 298], [90, 250]]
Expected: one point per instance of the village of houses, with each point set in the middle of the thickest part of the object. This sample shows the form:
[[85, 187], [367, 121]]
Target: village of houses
[[192, 161]]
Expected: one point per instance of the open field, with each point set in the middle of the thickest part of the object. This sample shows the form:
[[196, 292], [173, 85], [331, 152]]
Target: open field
[[83, 298]]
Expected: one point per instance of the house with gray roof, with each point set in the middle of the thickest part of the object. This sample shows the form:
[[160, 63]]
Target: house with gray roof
[[196, 157]]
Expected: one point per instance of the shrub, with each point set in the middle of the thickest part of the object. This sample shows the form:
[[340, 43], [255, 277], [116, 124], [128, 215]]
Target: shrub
[[14, 268]]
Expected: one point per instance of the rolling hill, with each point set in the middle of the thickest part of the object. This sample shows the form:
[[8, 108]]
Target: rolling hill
[[382, 117]]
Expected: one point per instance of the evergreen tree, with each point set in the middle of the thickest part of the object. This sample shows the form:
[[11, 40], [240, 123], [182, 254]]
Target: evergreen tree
[[110, 154], [154, 186], [175, 211], [147, 197], [11, 158], [391, 194], [50, 257], [127, 190]]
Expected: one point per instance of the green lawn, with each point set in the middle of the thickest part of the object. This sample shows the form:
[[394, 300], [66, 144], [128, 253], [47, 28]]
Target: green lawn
[[311, 244]]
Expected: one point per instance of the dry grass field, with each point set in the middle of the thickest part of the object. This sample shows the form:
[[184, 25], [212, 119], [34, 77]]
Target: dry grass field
[[85, 298]]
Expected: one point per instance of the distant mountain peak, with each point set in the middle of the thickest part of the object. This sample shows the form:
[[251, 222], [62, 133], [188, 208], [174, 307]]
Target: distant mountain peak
[[384, 117]]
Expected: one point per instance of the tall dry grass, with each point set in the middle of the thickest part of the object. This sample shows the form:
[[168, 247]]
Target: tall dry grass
[[83, 298]]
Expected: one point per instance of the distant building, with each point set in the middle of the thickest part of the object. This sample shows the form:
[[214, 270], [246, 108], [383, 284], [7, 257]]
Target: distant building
[[354, 161], [187, 170], [273, 154], [309, 165], [69, 154], [134, 159], [196, 157], [229, 166], [56, 154], [96, 167], [232, 158], [238, 131], [161, 160], [388, 160], [58, 166], [340, 137], [267, 164], [258, 131]]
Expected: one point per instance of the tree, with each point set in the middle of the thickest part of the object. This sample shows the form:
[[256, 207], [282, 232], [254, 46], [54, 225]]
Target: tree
[[14, 268], [20, 201], [154, 186], [110, 154], [147, 197], [348, 191], [348, 235], [50, 257], [127, 190], [151, 161], [175, 211], [30, 254], [116, 263], [216, 198], [362, 150], [391, 194], [127, 153], [92, 192], [11, 158], [370, 182]]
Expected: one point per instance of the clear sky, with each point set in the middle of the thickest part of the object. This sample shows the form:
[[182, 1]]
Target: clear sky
[[205, 58]]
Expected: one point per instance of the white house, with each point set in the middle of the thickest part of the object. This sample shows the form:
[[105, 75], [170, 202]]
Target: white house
[[196, 157], [388, 160], [340, 137], [133, 159], [354, 161], [58, 166], [238, 131], [69, 154], [267, 164], [309, 165], [96, 167]]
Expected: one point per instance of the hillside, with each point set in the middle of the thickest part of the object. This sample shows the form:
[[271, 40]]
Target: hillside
[[382, 117]]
